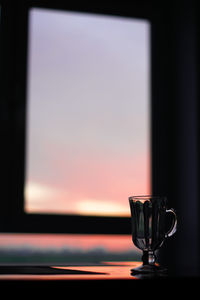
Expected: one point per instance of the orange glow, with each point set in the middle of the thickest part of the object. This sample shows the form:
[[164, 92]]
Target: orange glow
[[106, 208], [108, 272], [84, 242], [96, 187]]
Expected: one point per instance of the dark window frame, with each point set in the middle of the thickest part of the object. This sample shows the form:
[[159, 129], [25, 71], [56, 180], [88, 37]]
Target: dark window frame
[[14, 36]]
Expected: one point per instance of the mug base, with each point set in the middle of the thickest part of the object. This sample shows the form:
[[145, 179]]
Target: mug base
[[149, 269]]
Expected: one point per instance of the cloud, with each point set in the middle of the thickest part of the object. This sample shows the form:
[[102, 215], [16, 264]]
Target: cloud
[[43, 198], [98, 207]]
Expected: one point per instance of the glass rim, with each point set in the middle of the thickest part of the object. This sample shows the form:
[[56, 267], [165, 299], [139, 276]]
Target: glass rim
[[146, 198]]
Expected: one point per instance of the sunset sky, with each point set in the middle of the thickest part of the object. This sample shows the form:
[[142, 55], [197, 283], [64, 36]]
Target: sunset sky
[[85, 242], [88, 133]]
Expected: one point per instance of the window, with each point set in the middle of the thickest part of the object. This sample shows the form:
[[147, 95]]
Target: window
[[88, 133], [110, 214]]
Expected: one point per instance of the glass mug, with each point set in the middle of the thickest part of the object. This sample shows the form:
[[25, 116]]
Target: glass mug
[[148, 216]]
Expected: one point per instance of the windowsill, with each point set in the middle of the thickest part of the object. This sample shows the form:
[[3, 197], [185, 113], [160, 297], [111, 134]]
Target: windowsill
[[105, 271]]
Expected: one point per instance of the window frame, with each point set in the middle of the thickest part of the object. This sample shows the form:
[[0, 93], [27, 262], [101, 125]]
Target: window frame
[[14, 35]]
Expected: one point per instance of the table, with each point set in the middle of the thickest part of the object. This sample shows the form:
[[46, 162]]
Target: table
[[102, 271], [113, 275]]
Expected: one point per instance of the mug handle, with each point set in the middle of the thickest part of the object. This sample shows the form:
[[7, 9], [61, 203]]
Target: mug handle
[[172, 230]]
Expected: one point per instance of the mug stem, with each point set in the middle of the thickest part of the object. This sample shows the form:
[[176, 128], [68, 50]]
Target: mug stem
[[148, 258], [149, 266]]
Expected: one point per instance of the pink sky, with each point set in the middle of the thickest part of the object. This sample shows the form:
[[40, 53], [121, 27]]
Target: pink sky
[[84, 242], [100, 183], [88, 144]]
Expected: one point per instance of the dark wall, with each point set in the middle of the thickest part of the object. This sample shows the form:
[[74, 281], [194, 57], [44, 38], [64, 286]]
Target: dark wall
[[175, 99]]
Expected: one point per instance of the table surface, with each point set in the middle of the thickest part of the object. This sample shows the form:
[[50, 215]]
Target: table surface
[[103, 271], [99, 279]]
